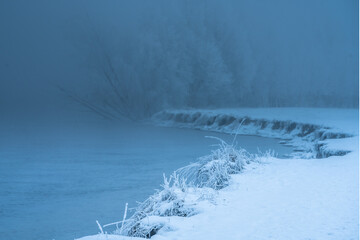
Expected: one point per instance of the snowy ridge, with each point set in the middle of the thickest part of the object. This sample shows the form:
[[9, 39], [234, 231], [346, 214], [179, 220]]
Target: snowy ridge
[[309, 140]]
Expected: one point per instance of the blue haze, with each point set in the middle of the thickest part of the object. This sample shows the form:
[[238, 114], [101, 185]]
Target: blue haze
[[162, 54], [60, 171]]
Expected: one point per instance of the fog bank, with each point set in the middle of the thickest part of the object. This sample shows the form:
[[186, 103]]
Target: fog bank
[[133, 58]]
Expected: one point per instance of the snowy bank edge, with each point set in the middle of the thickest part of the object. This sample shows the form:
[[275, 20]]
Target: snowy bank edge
[[330, 141], [310, 140]]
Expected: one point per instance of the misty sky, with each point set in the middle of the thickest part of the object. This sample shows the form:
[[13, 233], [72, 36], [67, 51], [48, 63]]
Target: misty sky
[[179, 53]]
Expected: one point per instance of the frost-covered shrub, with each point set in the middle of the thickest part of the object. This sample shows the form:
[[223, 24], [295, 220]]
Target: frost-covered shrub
[[214, 170], [170, 201], [144, 229], [263, 157]]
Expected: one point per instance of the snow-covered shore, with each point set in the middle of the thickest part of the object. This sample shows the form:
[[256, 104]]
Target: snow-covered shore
[[295, 198], [310, 131]]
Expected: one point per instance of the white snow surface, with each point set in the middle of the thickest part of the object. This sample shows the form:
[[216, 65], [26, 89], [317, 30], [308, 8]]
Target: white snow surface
[[293, 198]]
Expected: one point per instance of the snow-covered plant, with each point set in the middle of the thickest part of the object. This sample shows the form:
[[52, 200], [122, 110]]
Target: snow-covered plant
[[214, 170], [170, 201], [263, 157], [186, 187]]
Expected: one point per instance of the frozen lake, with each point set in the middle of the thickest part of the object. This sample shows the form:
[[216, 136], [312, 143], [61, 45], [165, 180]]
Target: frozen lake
[[55, 181]]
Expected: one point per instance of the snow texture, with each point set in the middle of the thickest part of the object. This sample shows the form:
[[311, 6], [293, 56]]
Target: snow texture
[[272, 198]]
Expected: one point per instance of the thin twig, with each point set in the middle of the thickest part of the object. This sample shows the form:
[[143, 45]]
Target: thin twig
[[101, 230], [122, 225]]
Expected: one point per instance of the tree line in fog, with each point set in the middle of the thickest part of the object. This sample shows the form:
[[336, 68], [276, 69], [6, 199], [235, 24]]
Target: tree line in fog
[[207, 53]]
